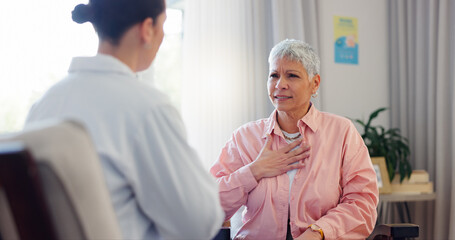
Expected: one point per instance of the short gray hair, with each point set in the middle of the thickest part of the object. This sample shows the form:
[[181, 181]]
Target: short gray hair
[[296, 50]]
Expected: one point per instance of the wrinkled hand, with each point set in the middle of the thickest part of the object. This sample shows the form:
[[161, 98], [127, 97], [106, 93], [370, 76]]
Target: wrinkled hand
[[271, 163], [309, 235]]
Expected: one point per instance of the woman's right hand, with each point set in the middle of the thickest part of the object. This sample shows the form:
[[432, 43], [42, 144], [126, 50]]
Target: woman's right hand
[[271, 163]]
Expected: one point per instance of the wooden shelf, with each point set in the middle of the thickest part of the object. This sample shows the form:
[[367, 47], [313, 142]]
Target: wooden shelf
[[407, 197]]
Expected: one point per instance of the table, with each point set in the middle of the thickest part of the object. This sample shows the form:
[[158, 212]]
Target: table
[[400, 200]]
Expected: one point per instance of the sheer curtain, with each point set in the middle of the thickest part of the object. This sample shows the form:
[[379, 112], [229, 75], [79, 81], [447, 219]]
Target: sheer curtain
[[226, 46], [422, 76]]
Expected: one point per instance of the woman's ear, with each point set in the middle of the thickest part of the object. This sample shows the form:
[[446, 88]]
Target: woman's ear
[[316, 82], [147, 32]]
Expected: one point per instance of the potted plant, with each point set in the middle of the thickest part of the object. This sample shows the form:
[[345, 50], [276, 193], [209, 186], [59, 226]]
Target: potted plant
[[389, 144]]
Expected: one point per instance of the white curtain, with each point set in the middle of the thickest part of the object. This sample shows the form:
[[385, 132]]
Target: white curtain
[[422, 77], [226, 46]]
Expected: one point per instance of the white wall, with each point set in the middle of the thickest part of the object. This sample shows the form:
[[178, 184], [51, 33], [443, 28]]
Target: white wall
[[355, 90]]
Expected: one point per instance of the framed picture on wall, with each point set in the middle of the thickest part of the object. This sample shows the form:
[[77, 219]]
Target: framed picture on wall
[[381, 174]]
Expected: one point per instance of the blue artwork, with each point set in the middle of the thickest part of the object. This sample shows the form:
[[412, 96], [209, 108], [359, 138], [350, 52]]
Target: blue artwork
[[346, 50]]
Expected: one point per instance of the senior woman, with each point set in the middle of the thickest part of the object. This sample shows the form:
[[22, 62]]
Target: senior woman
[[301, 173]]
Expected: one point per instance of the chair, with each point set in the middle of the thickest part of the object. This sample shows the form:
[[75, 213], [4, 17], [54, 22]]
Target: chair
[[223, 234], [52, 185], [399, 231]]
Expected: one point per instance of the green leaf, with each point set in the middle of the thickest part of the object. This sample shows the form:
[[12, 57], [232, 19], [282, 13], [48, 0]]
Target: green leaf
[[374, 115], [360, 122]]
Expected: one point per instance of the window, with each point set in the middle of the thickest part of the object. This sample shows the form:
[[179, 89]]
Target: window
[[37, 45]]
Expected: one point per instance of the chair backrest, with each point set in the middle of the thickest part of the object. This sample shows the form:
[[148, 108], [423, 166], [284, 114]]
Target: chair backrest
[[397, 231], [53, 185]]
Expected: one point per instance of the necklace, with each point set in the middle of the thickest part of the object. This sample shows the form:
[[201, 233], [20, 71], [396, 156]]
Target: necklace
[[291, 138]]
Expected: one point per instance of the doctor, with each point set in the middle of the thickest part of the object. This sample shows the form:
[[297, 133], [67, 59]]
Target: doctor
[[158, 186]]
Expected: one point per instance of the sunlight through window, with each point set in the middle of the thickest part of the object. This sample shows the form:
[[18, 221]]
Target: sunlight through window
[[36, 48]]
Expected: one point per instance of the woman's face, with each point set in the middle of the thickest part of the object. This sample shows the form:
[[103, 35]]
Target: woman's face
[[289, 87], [159, 33], [155, 35]]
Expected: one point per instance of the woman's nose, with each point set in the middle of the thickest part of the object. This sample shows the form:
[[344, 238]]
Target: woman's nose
[[281, 83]]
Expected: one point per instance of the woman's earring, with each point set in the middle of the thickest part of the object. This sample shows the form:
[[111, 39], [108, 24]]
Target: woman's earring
[[315, 95]]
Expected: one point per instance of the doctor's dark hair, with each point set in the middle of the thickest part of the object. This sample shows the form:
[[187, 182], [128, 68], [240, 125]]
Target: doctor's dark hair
[[111, 18]]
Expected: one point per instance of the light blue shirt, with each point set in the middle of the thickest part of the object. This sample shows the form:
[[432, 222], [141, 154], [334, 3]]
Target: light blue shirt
[[157, 184]]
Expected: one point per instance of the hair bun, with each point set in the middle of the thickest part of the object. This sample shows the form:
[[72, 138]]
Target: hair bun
[[82, 13]]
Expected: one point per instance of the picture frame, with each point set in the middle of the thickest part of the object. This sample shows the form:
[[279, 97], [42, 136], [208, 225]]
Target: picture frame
[[382, 175]]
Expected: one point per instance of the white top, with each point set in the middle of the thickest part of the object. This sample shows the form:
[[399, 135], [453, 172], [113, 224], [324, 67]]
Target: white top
[[291, 173], [157, 184]]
